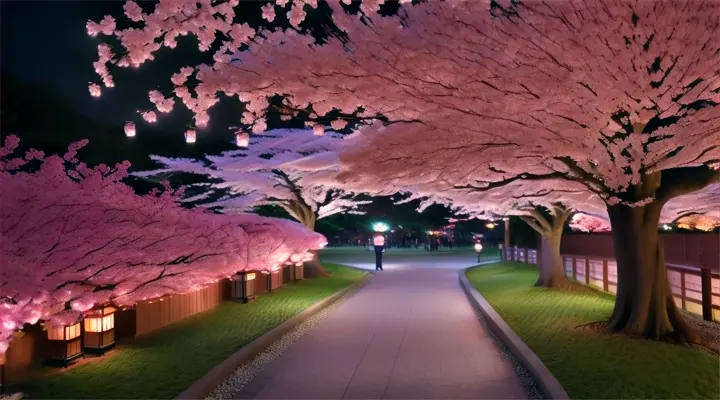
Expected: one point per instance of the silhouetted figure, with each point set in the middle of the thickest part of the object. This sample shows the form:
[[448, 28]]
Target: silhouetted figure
[[379, 242]]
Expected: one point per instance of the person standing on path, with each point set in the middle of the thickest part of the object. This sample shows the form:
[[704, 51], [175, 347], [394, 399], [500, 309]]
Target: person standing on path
[[379, 242]]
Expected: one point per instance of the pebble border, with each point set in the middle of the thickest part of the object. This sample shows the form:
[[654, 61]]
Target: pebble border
[[526, 378], [246, 373], [545, 383]]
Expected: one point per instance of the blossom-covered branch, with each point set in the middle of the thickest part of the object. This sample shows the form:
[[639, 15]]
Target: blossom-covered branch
[[290, 168], [75, 237]]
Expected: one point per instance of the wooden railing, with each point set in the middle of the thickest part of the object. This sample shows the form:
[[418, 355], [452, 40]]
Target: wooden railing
[[695, 290], [29, 347]]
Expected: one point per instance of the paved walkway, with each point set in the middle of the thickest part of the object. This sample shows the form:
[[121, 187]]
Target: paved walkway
[[410, 333]]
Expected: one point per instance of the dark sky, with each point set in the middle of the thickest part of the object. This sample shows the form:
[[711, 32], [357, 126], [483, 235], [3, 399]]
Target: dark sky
[[45, 43], [46, 61]]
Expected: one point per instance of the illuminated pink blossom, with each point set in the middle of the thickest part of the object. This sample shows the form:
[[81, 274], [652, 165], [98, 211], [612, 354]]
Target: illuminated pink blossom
[[95, 90]]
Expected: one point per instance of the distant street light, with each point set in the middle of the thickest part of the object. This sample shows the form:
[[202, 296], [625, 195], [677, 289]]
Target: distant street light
[[478, 249], [380, 227], [490, 225]]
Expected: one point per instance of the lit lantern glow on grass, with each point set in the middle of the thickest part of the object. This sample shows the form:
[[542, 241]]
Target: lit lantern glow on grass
[[190, 136], [65, 343], [129, 129], [242, 139], [380, 227]]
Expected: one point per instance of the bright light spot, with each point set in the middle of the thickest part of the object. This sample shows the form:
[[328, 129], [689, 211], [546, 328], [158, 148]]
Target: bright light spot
[[190, 136], [318, 130], [129, 129], [242, 139], [380, 227], [478, 247], [490, 225], [666, 227], [94, 90]]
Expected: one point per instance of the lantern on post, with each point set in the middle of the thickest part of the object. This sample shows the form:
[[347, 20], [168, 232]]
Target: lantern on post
[[99, 330], [478, 249], [64, 344], [243, 287]]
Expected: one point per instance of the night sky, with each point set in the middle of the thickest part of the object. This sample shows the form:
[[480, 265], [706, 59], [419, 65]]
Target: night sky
[[46, 65]]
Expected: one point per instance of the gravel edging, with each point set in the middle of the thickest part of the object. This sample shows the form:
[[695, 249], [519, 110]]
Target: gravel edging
[[709, 331], [208, 382], [231, 386], [537, 379]]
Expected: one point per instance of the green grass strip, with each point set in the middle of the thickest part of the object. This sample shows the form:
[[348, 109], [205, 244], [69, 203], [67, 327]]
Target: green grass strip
[[169, 361], [593, 365]]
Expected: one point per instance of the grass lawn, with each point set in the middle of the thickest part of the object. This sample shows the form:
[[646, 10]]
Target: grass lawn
[[168, 362], [593, 365]]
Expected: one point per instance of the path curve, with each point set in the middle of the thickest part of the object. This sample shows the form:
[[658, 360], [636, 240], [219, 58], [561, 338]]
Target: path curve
[[410, 333]]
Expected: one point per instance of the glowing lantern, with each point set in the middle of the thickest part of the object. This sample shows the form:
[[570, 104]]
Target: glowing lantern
[[379, 240], [242, 139], [318, 130], [490, 225], [190, 136], [380, 227], [129, 129], [99, 330], [243, 287], [478, 250], [64, 343]]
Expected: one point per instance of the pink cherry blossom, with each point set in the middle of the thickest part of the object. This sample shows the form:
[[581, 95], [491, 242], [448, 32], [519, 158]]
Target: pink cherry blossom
[[290, 168], [74, 234], [95, 90], [149, 116]]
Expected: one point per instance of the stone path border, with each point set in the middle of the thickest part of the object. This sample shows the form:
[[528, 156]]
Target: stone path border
[[548, 384], [208, 382]]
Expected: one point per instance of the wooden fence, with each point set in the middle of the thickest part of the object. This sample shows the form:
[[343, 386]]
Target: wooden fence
[[701, 250], [159, 313], [29, 347], [695, 290]]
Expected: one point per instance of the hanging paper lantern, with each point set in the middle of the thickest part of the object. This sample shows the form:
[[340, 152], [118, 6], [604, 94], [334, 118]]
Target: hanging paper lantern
[[242, 139], [318, 130], [129, 129], [190, 136]]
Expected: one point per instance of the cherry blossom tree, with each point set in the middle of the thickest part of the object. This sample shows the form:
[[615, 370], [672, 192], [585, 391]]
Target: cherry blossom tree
[[74, 237], [589, 223], [544, 206], [290, 168], [620, 96]]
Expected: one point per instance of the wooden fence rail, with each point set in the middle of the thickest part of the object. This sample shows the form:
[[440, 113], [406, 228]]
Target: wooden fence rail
[[695, 290], [30, 346]]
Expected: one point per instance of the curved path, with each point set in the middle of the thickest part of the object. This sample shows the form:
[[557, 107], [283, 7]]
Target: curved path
[[410, 333]]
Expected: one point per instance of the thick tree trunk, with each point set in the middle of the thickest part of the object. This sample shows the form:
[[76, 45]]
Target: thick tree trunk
[[552, 271], [644, 305], [314, 268]]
